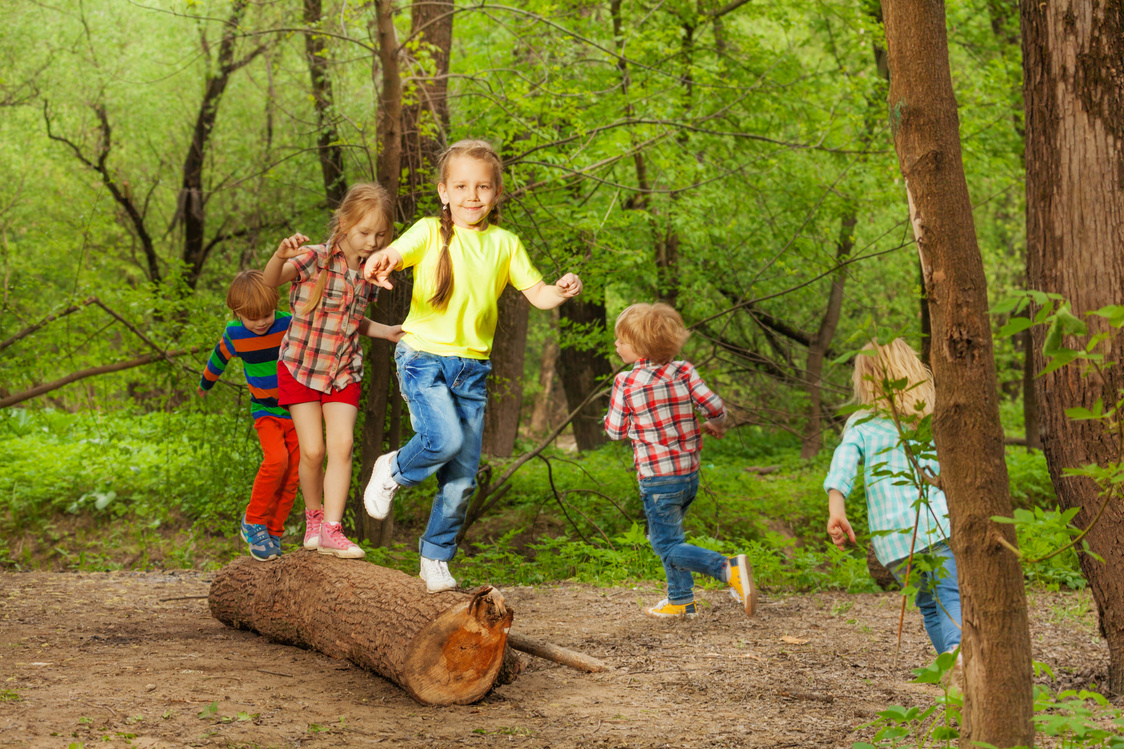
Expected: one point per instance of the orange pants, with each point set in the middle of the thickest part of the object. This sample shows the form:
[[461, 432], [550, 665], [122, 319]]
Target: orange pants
[[275, 487]]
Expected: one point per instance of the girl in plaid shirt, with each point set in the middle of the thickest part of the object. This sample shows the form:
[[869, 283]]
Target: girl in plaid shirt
[[320, 365], [654, 406], [910, 526], [462, 263]]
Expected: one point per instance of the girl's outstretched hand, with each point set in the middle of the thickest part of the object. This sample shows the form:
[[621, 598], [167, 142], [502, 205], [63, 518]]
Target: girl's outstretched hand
[[378, 267], [290, 247], [570, 285]]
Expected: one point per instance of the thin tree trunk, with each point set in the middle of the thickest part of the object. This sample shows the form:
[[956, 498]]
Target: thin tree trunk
[[541, 416], [581, 369], [505, 385], [969, 438], [425, 120], [1073, 76], [192, 200], [1030, 398], [327, 141], [812, 440]]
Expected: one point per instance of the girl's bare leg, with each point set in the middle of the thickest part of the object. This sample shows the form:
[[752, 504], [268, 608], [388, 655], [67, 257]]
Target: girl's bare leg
[[308, 421], [339, 426]]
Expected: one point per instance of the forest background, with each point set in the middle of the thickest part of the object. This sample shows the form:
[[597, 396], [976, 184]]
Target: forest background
[[734, 159]]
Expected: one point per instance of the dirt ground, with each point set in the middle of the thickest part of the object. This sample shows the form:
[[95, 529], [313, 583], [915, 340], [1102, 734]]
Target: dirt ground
[[132, 659]]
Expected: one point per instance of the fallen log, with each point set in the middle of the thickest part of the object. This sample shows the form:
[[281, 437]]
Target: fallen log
[[446, 648]]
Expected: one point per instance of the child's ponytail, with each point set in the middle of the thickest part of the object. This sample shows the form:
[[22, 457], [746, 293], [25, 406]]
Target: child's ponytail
[[443, 275]]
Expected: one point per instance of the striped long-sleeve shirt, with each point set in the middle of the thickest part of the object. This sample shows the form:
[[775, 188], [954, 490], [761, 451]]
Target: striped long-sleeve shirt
[[259, 361], [654, 406], [890, 499]]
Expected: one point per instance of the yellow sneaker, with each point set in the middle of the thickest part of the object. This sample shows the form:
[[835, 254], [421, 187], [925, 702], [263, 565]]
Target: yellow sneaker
[[740, 579], [665, 610]]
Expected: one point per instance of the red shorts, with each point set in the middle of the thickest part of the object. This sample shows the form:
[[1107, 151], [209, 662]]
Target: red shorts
[[290, 392]]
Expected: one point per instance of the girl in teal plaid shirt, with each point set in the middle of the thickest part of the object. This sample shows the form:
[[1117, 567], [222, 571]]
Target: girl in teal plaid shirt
[[872, 438]]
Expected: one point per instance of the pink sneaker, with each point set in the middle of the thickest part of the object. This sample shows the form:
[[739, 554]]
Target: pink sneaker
[[312, 521], [332, 541]]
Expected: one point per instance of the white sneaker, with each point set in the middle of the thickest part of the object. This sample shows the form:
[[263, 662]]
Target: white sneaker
[[435, 572], [381, 488]]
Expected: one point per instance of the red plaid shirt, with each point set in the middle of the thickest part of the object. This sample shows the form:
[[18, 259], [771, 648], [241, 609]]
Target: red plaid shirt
[[322, 348], [654, 406]]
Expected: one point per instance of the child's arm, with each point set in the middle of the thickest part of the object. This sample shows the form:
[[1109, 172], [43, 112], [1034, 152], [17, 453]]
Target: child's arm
[[278, 270], [549, 297], [838, 527], [838, 483], [617, 420], [378, 267], [372, 329], [707, 401], [216, 365]]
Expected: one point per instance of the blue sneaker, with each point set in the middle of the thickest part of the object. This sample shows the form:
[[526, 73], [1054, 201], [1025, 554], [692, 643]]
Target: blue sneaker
[[276, 540], [261, 545]]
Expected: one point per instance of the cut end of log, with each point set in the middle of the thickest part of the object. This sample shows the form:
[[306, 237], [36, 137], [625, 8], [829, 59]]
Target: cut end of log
[[456, 658]]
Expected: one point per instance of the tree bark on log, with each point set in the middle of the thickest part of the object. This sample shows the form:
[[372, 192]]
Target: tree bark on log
[[443, 649]]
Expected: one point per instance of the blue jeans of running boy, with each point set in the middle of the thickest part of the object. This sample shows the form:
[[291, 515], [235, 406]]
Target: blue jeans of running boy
[[936, 597], [446, 396], [666, 499]]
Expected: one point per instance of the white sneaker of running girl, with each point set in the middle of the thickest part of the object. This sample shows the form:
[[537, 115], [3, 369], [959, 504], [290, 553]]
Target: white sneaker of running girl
[[435, 572], [382, 487]]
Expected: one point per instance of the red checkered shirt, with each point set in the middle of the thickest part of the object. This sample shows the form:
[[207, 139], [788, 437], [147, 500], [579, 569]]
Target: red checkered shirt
[[322, 348], [654, 406]]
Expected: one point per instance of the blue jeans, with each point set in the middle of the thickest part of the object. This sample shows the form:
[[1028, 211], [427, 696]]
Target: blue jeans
[[666, 499], [446, 396], [938, 599]]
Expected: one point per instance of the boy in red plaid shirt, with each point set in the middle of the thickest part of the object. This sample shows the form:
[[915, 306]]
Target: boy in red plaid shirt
[[654, 406]]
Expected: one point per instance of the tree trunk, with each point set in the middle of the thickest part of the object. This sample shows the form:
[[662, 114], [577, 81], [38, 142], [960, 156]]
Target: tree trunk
[[1030, 398], [812, 440], [192, 202], [443, 649], [969, 438], [327, 142], [425, 120], [505, 386], [582, 369], [1073, 73], [542, 415]]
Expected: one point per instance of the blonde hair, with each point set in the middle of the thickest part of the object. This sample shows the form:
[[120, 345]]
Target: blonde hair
[[361, 199], [472, 149], [889, 363], [655, 331], [251, 296]]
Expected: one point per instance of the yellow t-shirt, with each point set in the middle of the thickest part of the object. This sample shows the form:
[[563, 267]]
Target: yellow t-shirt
[[484, 263]]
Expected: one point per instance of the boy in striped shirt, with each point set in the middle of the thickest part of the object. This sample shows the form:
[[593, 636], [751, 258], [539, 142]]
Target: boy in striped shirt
[[255, 338], [654, 405]]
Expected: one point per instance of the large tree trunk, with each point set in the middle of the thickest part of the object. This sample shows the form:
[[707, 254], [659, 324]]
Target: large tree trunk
[[505, 386], [581, 370], [997, 701], [327, 142], [1073, 73], [443, 649]]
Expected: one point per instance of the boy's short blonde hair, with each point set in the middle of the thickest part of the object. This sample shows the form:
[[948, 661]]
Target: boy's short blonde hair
[[249, 295], [655, 331]]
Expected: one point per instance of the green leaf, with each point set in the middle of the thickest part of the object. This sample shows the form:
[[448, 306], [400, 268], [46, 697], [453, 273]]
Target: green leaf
[[1114, 313], [1014, 326]]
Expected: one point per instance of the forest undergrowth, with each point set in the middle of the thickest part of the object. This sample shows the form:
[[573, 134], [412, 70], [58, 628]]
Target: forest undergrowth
[[92, 491]]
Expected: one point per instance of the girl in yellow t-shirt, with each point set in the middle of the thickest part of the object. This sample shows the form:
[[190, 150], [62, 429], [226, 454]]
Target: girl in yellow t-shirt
[[462, 263]]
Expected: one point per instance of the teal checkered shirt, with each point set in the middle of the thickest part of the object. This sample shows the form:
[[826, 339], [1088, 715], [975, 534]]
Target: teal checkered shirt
[[890, 504]]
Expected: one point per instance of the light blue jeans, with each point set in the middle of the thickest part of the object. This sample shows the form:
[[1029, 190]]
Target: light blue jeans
[[666, 499], [938, 597], [446, 396]]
